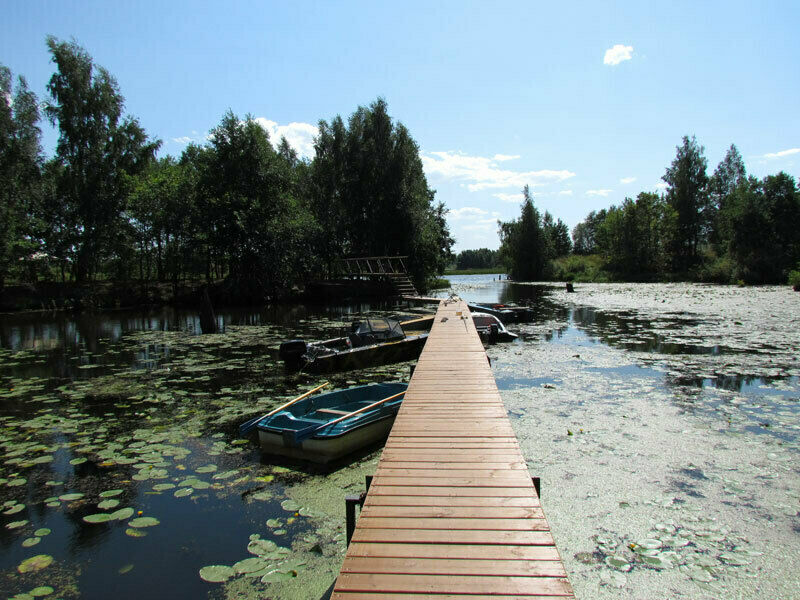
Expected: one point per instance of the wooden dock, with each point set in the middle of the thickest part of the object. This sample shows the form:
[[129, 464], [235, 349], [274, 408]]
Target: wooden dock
[[452, 512]]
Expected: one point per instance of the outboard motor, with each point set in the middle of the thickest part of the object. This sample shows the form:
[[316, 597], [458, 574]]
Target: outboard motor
[[291, 352]]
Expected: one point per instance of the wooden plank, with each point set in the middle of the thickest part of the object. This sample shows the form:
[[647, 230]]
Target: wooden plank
[[463, 584], [443, 536], [402, 596], [452, 524], [449, 566], [461, 512], [423, 501], [454, 551]]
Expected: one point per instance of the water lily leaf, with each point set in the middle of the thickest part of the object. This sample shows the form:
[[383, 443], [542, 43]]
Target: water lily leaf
[[275, 576], [207, 469], [144, 522], [272, 523], [261, 547], [31, 541], [14, 509], [279, 532], [98, 518], [126, 569], [42, 590], [290, 505], [106, 504], [17, 524], [136, 533], [250, 565], [77, 461], [71, 497], [180, 493], [162, 487], [216, 573], [110, 493], [42, 532], [123, 514], [35, 563]]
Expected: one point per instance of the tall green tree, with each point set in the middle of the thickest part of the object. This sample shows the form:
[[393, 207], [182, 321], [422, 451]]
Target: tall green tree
[[97, 149], [729, 174], [371, 196], [20, 170], [687, 194], [523, 244], [584, 234]]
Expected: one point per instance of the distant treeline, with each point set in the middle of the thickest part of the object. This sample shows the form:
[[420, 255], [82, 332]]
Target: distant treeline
[[482, 258], [233, 208], [724, 228]]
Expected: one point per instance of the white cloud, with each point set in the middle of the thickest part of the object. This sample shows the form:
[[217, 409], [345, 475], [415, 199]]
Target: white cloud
[[661, 186], [502, 157], [182, 140], [782, 153], [468, 212], [299, 135], [482, 173], [509, 197], [627, 180], [617, 53], [565, 193], [603, 193]]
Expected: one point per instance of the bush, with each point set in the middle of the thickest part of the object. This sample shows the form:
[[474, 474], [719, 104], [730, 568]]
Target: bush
[[794, 278], [580, 268]]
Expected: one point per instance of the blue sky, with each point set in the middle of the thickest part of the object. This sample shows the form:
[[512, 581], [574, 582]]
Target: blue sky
[[584, 102]]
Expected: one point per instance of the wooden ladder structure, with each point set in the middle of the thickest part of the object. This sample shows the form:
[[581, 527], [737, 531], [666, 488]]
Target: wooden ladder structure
[[452, 512], [392, 268]]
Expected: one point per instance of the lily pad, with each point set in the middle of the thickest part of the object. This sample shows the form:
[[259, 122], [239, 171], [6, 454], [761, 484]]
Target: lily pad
[[183, 492], [126, 569], [77, 461], [110, 493], [216, 573], [35, 563], [98, 518], [250, 565], [71, 497], [42, 590], [106, 504], [122, 514], [135, 533], [17, 524], [31, 541], [140, 522], [14, 509], [290, 505], [163, 487], [42, 532]]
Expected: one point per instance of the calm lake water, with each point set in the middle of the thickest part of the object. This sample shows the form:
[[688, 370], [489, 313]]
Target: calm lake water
[[122, 464]]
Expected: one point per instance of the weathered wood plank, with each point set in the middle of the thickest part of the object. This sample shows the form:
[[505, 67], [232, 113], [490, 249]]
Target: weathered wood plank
[[463, 584]]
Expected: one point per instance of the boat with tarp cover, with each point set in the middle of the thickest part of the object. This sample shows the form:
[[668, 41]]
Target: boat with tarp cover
[[328, 426], [369, 342]]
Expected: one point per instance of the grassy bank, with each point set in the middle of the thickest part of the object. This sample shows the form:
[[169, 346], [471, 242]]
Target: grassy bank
[[494, 270]]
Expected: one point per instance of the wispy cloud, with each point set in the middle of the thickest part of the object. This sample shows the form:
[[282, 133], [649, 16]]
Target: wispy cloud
[[468, 212], [299, 135], [661, 186], [617, 54], [782, 153], [502, 157], [627, 180], [484, 173], [565, 193], [509, 197], [182, 140], [602, 193]]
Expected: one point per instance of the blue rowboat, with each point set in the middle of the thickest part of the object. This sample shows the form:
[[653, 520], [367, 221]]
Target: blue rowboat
[[328, 426]]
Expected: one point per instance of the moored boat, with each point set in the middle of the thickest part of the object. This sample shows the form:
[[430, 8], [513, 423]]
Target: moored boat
[[506, 313], [369, 342], [491, 329], [328, 426]]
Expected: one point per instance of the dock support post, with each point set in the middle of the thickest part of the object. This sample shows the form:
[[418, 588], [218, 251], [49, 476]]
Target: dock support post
[[537, 485], [350, 503]]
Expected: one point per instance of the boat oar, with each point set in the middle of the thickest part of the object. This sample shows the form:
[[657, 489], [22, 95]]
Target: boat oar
[[246, 427], [306, 433]]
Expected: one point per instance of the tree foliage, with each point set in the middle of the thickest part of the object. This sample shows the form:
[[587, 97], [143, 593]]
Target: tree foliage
[[524, 246], [482, 258], [97, 149], [20, 165]]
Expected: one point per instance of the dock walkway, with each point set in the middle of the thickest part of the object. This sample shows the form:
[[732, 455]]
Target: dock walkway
[[452, 512]]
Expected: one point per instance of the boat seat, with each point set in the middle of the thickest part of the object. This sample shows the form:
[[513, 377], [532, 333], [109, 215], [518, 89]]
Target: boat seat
[[332, 411]]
